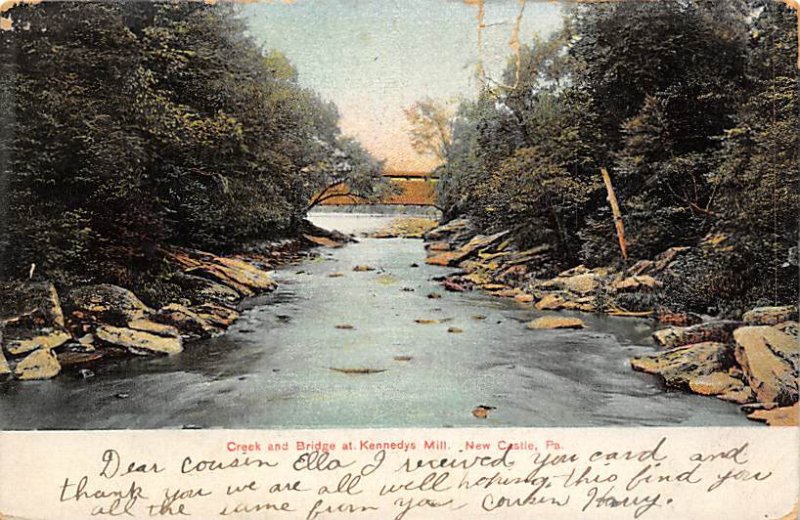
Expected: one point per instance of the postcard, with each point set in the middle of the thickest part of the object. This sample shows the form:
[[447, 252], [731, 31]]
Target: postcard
[[430, 259]]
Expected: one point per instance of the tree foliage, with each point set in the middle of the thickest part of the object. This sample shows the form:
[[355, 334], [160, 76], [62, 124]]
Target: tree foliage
[[138, 123], [692, 107]]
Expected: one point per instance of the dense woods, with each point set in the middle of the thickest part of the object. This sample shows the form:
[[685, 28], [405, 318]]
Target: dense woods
[[128, 125], [690, 105]]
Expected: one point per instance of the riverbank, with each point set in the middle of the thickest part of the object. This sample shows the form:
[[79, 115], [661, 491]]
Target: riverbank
[[44, 331], [337, 345], [751, 360]]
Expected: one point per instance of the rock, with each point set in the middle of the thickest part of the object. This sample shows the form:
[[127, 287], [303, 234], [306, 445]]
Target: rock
[[437, 246], [455, 330], [715, 383], [524, 298], [138, 342], [40, 364], [575, 271], [719, 331], [107, 303], [636, 283], [4, 369], [363, 268], [322, 241], [188, 322], [482, 411], [663, 260], [551, 302], [159, 329], [235, 273], [507, 293], [492, 287], [556, 322], [403, 358], [423, 321], [770, 360], [679, 319], [741, 395], [36, 302], [446, 230], [335, 275], [72, 358], [434, 296], [443, 259], [791, 328], [640, 267], [359, 371], [585, 304], [218, 316], [452, 286], [477, 243], [680, 366], [50, 341], [345, 326], [202, 290], [770, 315], [579, 284], [478, 317], [782, 416]]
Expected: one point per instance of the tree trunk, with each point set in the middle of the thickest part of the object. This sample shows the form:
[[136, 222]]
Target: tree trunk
[[612, 199]]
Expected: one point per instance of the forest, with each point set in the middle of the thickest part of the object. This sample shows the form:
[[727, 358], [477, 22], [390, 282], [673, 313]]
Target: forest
[[129, 125], [689, 106]]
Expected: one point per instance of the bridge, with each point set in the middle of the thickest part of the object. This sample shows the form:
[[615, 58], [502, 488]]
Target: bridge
[[415, 189]]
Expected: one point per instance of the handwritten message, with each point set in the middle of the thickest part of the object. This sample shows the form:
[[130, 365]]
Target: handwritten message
[[401, 474]]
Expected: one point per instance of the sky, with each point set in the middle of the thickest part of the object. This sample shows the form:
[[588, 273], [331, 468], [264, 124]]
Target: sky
[[373, 58]]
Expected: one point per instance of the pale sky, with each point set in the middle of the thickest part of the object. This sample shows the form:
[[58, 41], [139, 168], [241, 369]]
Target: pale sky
[[373, 58]]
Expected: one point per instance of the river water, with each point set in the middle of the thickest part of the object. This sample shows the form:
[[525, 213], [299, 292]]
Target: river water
[[273, 368]]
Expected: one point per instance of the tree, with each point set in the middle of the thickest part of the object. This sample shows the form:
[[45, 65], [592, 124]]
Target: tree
[[430, 131]]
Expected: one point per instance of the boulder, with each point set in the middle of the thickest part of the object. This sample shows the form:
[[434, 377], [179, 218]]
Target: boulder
[[791, 328], [159, 329], [770, 360], [243, 277], [4, 369], [323, 241], [188, 322], [37, 303], [476, 244], [40, 364], [201, 290], [445, 231], [679, 319], [444, 258], [107, 303], [48, 341], [437, 246], [556, 322], [781, 416], [680, 366], [719, 331], [217, 316], [770, 315], [636, 283], [716, 383], [579, 284], [138, 342], [524, 298], [551, 302]]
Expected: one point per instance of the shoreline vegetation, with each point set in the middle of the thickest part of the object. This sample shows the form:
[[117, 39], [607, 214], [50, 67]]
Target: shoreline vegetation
[[641, 161], [751, 360]]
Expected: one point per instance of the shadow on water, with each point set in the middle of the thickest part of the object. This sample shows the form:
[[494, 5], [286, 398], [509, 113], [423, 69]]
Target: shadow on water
[[285, 363]]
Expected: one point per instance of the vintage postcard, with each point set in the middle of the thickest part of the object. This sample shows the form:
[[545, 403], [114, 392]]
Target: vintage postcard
[[417, 259]]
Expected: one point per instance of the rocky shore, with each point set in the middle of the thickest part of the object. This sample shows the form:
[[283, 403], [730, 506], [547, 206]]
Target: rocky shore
[[44, 331], [752, 360]]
